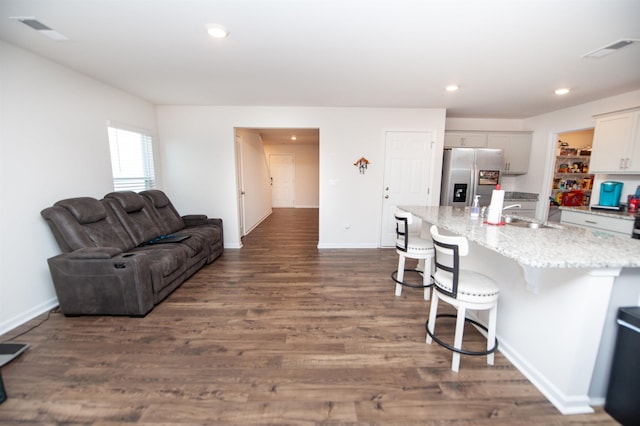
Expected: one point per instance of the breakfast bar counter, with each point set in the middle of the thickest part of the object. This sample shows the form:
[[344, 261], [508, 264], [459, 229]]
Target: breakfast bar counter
[[548, 246], [560, 288]]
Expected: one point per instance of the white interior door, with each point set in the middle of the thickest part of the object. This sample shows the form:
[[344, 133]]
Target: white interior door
[[282, 168], [240, 184], [406, 177]]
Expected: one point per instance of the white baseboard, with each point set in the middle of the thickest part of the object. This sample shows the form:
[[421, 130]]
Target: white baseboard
[[566, 404], [18, 320], [262, 219], [347, 246]]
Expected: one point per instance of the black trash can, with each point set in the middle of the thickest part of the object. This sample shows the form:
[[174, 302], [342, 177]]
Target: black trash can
[[623, 393], [3, 394]]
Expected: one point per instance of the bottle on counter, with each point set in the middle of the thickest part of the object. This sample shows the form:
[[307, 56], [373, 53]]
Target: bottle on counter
[[632, 203], [475, 207]]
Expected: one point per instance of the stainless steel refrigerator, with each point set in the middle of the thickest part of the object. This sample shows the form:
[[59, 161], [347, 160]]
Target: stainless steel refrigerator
[[467, 172]]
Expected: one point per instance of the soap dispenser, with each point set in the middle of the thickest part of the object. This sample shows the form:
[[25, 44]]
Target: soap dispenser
[[475, 207]]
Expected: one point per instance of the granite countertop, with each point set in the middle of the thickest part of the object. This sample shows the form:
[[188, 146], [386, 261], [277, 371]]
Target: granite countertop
[[624, 215], [557, 246]]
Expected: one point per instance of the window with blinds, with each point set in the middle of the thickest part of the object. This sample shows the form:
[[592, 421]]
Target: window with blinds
[[131, 159]]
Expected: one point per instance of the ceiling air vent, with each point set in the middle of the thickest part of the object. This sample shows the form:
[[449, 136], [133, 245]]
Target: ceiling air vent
[[40, 27], [609, 49]]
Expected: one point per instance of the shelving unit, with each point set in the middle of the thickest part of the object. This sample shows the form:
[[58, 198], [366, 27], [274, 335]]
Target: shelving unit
[[571, 178]]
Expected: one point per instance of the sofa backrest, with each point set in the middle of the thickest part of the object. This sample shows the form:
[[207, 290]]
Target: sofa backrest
[[137, 215], [84, 222], [169, 219]]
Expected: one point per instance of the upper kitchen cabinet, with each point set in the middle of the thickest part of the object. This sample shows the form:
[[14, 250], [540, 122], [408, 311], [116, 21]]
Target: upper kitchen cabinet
[[516, 147], [465, 140], [616, 143]]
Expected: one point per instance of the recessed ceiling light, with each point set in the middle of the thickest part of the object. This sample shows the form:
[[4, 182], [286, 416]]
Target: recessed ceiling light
[[293, 138], [452, 88], [217, 31], [562, 91]]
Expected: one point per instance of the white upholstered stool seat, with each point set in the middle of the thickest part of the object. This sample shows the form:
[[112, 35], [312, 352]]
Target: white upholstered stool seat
[[410, 245], [463, 289], [473, 287]]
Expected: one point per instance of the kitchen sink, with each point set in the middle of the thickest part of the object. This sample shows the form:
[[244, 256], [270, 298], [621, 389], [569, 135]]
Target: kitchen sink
[[513, 221]]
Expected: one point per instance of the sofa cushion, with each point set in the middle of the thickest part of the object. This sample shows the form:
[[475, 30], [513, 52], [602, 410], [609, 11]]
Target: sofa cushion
[[168, 218], [157, 197], [168, 266], [130, 201], [135, 214], [84, 222], [84, 209]]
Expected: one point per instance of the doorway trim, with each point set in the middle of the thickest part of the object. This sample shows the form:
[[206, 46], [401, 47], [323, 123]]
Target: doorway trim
[[426, 184], [240, 186], [543, 200]]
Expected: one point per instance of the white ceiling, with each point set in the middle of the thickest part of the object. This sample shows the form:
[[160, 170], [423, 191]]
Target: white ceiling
[[284, 136], [508, 56]]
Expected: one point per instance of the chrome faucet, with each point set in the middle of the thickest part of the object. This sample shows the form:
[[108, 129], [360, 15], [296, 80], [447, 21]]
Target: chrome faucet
[[512, 206]]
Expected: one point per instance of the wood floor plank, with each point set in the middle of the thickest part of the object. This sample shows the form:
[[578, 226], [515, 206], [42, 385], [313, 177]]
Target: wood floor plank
[[277, 332]]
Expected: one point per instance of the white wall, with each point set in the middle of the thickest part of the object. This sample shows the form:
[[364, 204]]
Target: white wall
[[53, 145], [545, 130], [307, 171], [485, 124], [257, 183], [489, 124], [202, 137]]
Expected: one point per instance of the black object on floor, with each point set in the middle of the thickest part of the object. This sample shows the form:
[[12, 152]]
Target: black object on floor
[[9, 351], [3, 394], [624, 383]]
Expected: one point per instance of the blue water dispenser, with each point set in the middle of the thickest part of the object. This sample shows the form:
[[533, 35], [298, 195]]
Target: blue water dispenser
[[610, 193]]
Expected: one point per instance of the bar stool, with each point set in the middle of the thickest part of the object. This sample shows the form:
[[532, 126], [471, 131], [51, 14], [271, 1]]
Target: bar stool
[[413, 247], [464, 290]]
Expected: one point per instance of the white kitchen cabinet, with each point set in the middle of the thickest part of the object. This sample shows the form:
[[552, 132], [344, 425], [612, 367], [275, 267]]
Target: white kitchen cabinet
[[465, 140], [516, 148], [616, 143], [613, 225]]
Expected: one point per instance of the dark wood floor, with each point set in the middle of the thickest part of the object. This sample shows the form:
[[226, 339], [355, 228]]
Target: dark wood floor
[[278, 332]]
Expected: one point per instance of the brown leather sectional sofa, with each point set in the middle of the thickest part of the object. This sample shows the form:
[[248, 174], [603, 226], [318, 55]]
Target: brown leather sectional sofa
[[124, 254]]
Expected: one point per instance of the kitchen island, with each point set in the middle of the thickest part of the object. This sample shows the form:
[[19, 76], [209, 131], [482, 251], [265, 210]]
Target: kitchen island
[[560, 288]]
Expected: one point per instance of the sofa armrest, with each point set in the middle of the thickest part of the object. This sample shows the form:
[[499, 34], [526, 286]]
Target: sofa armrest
[[200, 219], [95, 253], [101, 285]]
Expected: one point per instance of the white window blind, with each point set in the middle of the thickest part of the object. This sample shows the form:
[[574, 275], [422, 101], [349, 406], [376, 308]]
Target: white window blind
[[131, 159]]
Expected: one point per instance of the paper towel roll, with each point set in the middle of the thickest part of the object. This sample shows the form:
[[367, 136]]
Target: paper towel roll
[[495, 207]]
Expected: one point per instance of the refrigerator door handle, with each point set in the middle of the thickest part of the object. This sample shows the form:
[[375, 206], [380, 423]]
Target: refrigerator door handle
[[474, 176]]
